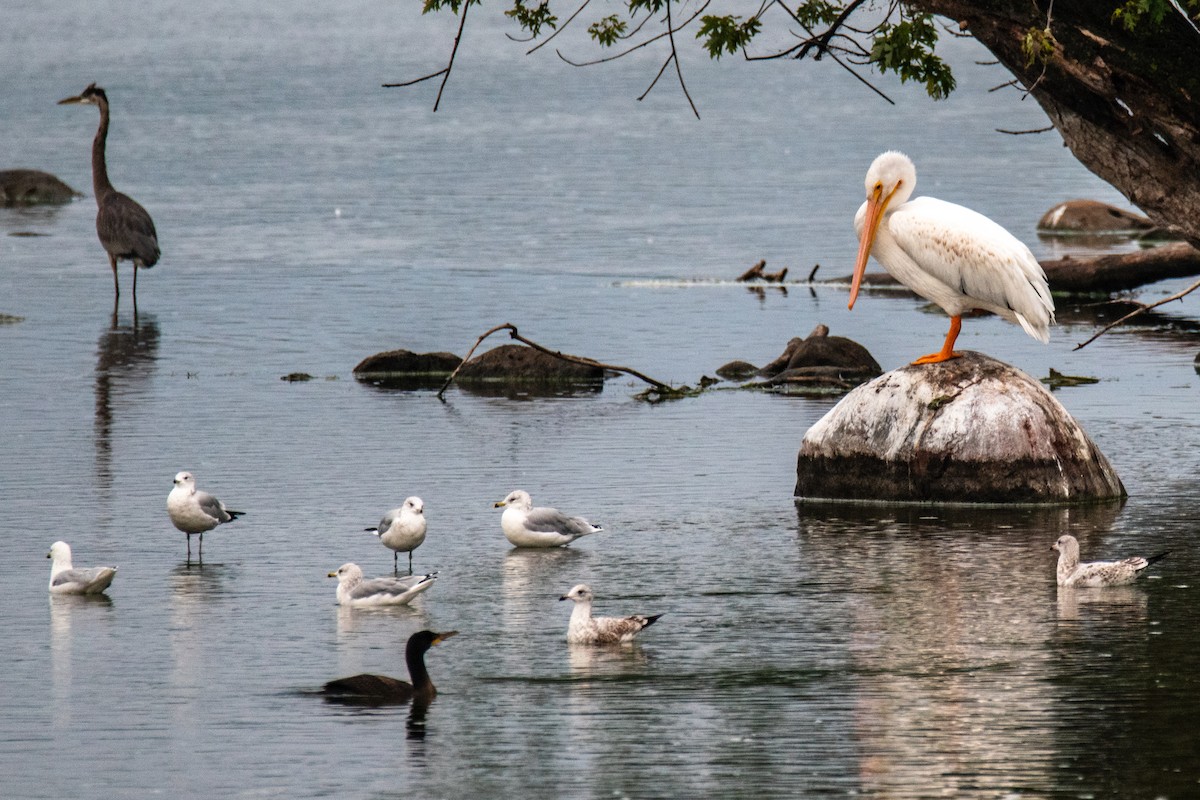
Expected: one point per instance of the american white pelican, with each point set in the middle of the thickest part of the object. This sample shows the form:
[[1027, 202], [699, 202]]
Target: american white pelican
[[194, 511], [1096, 573], [402, 530], [586, 629], [948, 254]]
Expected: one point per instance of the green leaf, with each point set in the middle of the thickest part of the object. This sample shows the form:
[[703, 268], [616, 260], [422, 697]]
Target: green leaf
[[532, 19], [726, 34], [907, 49], [608, 30]]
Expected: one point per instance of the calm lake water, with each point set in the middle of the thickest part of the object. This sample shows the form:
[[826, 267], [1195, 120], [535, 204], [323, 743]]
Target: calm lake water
[[309, 218]]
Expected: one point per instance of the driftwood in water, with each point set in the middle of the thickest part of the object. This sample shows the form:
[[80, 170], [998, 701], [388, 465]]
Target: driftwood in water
[[756, 273], [1122, 271]]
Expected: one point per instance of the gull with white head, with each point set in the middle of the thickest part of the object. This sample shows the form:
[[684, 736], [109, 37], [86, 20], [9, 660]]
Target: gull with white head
[[68, 579], [194, 511], [586, 629], [1072, 572], [354, 590], [526, 526], [402, 530]]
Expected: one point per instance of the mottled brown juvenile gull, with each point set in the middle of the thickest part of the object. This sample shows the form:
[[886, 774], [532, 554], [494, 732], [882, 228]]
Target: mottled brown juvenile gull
[[367, 688], [586, 629], [402, 530], [194, 511], [1096, 573], [66, 579], [526, 526], [354, 590]]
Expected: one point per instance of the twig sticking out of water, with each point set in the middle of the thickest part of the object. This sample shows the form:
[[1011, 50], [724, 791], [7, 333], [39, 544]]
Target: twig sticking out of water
[[660, 388], [1142, 310]]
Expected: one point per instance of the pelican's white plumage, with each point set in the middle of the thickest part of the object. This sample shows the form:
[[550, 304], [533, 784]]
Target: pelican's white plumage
[[948, 254], [526, 526], [1071, 572], [67, 579], [586, 629], [194, 511], [402, 530], [354, 590]]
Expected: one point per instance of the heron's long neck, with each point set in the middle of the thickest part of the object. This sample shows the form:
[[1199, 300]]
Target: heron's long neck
[[100, 183], [417, 672]]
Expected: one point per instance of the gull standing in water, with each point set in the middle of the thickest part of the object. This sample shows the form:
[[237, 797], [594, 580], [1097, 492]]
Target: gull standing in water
[[66, 579], [948, 254], [526, 526], [354, 590], [402, 530], [194, 511], [586, 629], [1096, 573]]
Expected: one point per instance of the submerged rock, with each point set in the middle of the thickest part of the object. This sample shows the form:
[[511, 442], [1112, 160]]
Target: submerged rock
[[405, 370], [819, 364], [516, 363], [737, 371], [27, 187], [1094, 217], [968, 430]]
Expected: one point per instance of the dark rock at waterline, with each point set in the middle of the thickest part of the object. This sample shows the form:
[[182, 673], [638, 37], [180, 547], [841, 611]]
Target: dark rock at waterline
[[399, 363], [820, 349], [968, 430], [517, 363], [405, 370], [27, 187], [737, 371]]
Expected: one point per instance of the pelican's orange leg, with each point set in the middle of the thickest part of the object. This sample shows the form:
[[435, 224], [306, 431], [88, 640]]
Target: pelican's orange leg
[[947, 351]]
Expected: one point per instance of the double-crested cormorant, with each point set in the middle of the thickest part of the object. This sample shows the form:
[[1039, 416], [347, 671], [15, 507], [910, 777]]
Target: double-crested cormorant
[[586, 629], [66, 579], [354, 590], [125, 229], [381, 688], [526, 526], [1096, 573], [402, 530], [948, 254], [194, 511]]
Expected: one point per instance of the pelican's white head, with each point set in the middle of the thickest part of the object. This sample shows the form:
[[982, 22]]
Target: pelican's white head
[[890, 182]]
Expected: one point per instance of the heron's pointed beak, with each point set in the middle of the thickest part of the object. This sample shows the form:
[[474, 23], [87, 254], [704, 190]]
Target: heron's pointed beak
[[876, 205], [66, 101], [441, 637]]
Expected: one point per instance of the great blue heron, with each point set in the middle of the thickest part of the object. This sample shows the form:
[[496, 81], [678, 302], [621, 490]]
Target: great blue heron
[[125, 229]]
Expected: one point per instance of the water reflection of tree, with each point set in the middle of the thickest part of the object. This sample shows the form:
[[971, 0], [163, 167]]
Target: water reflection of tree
[[125, 358]]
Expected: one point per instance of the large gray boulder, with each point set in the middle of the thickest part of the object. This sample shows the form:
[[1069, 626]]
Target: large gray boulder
[[969, 430]]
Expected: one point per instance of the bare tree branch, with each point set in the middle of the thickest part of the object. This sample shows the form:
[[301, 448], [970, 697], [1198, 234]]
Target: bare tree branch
[[1022, 133], [445, 73], [1142, 310], [559, 29], [661, 387]]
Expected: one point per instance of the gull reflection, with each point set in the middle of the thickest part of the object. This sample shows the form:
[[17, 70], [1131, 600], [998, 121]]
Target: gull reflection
[[532, 580], [62, 611], [1130, 603]]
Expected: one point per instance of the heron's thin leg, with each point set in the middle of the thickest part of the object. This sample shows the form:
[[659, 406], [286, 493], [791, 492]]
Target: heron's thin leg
[[116, 280], [135, 266]]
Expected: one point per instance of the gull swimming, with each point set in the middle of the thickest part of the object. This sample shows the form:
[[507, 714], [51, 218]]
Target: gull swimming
[[66, 579], [402, 530], [526, 526], [354, 590], [586, 629], [1096, 573], [382, 689], [194, 511]]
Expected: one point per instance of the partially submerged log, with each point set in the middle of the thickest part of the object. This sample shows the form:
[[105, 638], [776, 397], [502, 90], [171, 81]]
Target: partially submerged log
[[27, 187], [1123, 271], [756, 273], [968, 430]]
